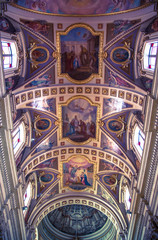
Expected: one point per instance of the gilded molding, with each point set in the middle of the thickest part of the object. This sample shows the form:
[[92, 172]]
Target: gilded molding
[[77, 15], [100, 54], [61, 121]]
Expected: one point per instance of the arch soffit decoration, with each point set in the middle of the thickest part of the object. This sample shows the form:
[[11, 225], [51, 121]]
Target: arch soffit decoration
[[112, 213]]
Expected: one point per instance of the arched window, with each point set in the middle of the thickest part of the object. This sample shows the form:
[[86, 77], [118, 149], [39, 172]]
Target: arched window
[[27, 198], [138, 140], [19, 138], [127, 198], [10, 56], [150, 52]]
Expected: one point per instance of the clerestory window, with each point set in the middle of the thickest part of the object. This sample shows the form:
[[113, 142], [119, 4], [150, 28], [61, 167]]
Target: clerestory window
[[150, 52], [19, 137], [138, 142], [9, 52]]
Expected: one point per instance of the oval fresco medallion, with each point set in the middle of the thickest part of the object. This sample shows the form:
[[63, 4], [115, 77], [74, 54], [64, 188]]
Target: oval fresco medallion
[[43, 124], [115, 125], [47, 178], [110, 180], [120, 55]]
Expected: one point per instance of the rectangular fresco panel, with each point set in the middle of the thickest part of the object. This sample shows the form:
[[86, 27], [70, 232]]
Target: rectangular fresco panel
[[79, 120], [78, 173], [79, 53]]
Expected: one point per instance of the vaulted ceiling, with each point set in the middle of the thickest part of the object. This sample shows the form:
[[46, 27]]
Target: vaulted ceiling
[[79, 91]]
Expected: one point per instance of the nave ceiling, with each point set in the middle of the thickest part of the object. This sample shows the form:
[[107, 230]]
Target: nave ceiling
[[80, 94]]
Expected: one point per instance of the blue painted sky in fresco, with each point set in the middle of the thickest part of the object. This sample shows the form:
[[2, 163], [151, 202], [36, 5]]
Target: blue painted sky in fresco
[[77, 34]]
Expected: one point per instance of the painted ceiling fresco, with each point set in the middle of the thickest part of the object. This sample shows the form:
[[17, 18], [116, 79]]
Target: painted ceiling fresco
[[76, 7], [78, 130], [72, 218]]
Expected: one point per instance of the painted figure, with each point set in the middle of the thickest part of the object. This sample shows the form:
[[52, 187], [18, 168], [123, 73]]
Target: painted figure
[[83, 56], [84, 180], [120, 55], [39, 55], [42, 124], [115, 125], [76, 63], [80, 7]]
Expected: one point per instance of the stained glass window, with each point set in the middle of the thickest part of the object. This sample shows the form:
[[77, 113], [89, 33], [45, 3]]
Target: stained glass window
[[9, 54], [139, 138], [18, 137], [27, 198], [150, 52], [127, 199]]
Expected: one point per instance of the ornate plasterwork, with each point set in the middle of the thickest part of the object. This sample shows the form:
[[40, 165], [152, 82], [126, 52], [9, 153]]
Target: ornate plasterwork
[[115, 216]]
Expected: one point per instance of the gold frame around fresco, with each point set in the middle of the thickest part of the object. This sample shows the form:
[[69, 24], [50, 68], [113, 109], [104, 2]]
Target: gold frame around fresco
[[110, 130], [36, 48], [60, 119], [100, 54], [113, 185], [45, 183], [39, 118], [78, 15], [120, 63], [94, 173]]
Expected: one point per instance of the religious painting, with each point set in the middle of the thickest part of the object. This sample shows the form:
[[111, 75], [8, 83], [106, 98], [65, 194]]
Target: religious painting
[[6, 25], [152, 27], [110, 180], [49, 195], [11, 82], [104, 194], [115, 125], [78, 173], [108, 144], [74, 7], [47, 144], [147, 83], [46, 178], [114, 105], [120, 55], [112, 79], [42, 124], [40, 26], [79, 49], [44, 80], [79, 120], [51, 163], [44, 104], [106, 166], [39, 55], [119, 26]]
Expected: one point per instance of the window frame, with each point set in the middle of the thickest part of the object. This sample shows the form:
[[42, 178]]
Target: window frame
[[136, 150], [148, 39], [24, 138], [151, 41], [9, 72], [29, 199]]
